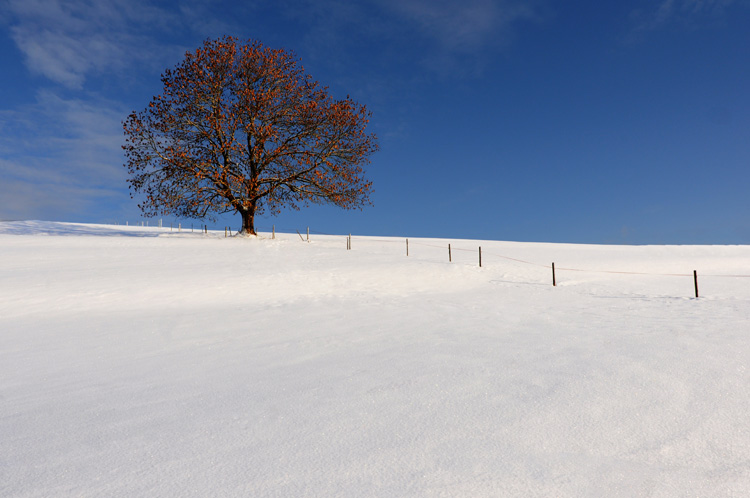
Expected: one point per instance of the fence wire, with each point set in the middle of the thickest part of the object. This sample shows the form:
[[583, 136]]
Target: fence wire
[[485, 253]]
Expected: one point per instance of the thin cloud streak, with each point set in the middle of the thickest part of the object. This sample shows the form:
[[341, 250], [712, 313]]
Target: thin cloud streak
[[76, 158], [69, 40], [466, 26], [423, 38], [62, 156], [680, 11], [465, 36], [48, 200]]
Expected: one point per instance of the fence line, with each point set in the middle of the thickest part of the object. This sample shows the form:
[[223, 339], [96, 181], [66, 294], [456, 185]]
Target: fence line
[[486, 253], [413, 242], [453, 248]]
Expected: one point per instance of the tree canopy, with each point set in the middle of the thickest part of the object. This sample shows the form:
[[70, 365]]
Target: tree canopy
[[240, 127]]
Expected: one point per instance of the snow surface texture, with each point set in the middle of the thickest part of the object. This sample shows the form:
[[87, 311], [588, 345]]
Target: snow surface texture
[[144, 362]]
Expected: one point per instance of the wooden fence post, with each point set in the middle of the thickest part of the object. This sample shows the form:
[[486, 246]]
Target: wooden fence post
[[450, 258], [554, 282], [308, 234], [480, 256], [407, 247], [273, 234], [695, 280]]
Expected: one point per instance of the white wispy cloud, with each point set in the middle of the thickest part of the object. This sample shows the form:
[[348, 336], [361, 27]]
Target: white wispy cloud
[[63, 155], [689, 12], [465, 26], [68, 40], [444, 36], [464, 35], [47, 200], [60, 156]]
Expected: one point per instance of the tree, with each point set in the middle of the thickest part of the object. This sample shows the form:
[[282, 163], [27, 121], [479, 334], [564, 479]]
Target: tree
[[242, 128]]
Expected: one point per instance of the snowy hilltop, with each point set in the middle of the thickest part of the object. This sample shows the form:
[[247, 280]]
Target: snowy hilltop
[[139, 361]]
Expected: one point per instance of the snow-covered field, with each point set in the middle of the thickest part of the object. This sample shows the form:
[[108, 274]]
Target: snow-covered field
[[144, 362]]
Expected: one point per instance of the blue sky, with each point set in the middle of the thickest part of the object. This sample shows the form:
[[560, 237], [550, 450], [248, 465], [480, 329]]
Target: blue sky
[[534, 120]]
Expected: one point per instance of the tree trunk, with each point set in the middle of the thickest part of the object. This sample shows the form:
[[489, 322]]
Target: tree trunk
[[248, 221]]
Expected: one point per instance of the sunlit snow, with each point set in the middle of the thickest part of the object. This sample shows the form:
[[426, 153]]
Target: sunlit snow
[[147, 362]]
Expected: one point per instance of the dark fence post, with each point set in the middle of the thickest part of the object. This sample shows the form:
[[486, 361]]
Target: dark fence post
[[695, 280], [554, 282]]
